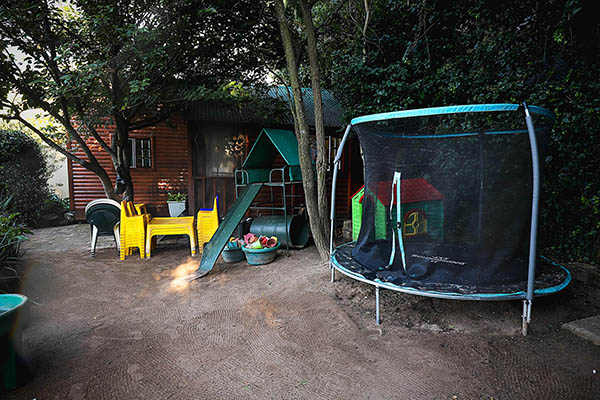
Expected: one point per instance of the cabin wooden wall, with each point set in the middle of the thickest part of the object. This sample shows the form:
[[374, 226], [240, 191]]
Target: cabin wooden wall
[[169, 172]]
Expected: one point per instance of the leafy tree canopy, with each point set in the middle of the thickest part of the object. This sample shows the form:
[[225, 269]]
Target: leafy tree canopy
[[131, 61]]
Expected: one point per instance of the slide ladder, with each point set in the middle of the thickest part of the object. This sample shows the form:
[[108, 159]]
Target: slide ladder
[[233, 218]]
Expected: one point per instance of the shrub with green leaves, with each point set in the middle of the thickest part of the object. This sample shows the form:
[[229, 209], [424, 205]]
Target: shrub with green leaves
[[23, 176], [424, 54], [12, 234]]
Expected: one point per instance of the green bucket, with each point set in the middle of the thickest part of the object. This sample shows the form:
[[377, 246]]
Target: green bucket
[[11, 376], [232, 255], [261, 256], [9, 306]]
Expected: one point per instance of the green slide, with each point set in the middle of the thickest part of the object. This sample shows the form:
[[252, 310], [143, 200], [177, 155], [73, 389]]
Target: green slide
[[233, 218]]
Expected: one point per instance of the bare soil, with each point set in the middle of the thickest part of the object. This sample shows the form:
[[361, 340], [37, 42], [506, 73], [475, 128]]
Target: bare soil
[[108, 329]]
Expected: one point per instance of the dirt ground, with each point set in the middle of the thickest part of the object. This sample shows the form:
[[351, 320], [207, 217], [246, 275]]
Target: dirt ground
[[108, 329]]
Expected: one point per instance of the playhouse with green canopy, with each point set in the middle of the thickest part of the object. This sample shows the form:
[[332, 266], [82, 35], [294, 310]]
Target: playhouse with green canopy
[[258, 166]]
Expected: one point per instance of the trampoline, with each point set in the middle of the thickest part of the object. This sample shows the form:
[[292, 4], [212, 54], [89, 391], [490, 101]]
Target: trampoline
[[449, 208]]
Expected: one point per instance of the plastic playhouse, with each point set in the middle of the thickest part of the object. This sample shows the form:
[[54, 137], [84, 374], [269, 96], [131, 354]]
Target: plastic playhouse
[[422, 208]]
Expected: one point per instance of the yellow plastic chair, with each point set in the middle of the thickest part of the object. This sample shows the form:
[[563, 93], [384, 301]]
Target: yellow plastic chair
[[207, 223], [170, 226], [132, 230]]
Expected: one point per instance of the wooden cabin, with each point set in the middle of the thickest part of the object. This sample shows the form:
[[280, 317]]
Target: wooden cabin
[[197, 151]]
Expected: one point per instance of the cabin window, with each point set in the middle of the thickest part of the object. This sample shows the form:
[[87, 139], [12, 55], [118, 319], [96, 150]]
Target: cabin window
[[415, 223], [223, 151], [140, 153]]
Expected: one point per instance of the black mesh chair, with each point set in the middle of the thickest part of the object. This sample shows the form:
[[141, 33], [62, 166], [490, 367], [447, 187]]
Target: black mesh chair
[[104, 217]]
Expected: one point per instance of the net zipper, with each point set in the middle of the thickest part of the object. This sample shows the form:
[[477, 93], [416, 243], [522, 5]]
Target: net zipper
[[396, 183]]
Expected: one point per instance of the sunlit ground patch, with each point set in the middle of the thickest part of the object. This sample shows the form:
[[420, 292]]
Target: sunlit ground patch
[[179, 275]]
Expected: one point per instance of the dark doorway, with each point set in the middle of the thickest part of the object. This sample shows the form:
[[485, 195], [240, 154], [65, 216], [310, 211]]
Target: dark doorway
[[217, 150]]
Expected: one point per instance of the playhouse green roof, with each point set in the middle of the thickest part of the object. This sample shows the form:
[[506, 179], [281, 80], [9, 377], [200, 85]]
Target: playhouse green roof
[[268, 144]]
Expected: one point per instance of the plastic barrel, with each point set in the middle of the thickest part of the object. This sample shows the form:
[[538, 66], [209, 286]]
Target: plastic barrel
[[274, 225]]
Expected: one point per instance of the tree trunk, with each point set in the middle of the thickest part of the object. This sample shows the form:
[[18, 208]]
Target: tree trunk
[[107, 185], [308, 179], [123, 156], [311, 45], [126, 176]]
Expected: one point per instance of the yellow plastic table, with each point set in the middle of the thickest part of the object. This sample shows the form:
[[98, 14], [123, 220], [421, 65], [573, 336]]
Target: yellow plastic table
[[171, 226]]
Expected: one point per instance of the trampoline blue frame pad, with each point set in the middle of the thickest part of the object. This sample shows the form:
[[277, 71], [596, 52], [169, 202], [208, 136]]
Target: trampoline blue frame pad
[[471, 108], [520, 294]]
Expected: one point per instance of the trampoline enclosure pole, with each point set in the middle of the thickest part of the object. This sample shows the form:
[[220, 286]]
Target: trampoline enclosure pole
[[336, 161], [377, 311], [535, 199]]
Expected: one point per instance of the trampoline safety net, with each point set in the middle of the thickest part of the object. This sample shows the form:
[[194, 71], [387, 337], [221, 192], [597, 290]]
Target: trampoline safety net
[[463, 214]]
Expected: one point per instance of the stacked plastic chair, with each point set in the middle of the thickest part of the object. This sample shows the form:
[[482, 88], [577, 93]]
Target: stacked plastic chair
[[133, 228], [207, 222], [103, 217]]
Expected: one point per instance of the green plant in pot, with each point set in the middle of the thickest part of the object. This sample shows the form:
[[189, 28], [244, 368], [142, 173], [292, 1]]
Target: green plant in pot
[[176, 203]]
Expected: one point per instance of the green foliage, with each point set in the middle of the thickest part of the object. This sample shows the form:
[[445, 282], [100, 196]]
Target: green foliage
[[126, 63], [53, 201], [23, 176], [12, 234], [176, 196], [423, 54]]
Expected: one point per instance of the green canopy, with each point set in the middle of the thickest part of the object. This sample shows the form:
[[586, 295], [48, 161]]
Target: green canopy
[[269, 143]]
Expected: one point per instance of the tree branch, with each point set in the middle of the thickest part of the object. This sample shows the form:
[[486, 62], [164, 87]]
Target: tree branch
[[290, 101], [137, 125], [365, 26], [95, 134], [46, 139]]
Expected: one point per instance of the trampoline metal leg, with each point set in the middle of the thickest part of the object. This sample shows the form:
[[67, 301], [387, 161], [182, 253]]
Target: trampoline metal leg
[[526, 316], [377, 311], [332, 273]]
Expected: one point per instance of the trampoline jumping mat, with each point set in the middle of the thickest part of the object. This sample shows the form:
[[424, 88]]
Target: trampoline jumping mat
[[550, 277]]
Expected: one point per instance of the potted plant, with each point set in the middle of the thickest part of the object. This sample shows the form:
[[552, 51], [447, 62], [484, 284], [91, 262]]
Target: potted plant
[[176, 202], [260, 250]]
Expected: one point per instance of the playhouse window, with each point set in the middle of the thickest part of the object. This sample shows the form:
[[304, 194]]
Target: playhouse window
[[415, 223]]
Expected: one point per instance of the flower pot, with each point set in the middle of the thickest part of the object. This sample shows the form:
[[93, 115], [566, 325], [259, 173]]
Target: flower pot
[[176, 208], [261, 256]]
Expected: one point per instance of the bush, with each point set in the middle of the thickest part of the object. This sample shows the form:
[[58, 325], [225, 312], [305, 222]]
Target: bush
[[23, 176], [424, 54], [12, 234]]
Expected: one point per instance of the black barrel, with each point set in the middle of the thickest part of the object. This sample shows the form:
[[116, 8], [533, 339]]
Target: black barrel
[[274, 225]]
